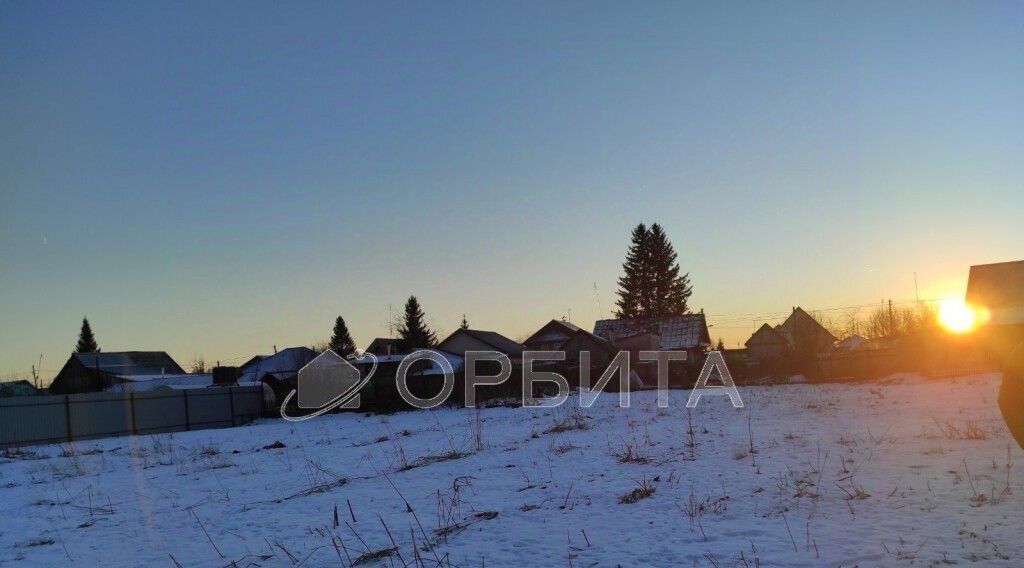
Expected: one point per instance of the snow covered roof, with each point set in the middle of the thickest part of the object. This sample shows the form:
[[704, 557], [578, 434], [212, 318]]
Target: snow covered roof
[[456, 361], [18, 388], [677, 332], [124, 363], [851, 343], [145, 383], [284, 362]]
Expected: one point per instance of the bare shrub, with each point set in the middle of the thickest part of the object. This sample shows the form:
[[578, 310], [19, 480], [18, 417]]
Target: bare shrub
[[643, 490], [573, 420], [628, 453], [970, 431]]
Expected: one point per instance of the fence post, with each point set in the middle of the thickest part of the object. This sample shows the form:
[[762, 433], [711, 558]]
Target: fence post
[[188, 422], [231, 398], [131, 406], [67, 416]]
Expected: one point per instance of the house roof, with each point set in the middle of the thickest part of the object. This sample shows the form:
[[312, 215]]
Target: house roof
[[127, 363], [284, 362], [492, 338], [1000, 289], [380, 343], [145, 383], [677, 332], [801, 321], [365, 363], [18, 388], [852, 343], [765, 334], [601, 342], [554, 326]]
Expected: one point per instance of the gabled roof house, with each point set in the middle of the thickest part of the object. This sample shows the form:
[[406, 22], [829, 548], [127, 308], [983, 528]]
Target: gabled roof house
[[687, 332], [91, 372], [463, 340], [551, 336]]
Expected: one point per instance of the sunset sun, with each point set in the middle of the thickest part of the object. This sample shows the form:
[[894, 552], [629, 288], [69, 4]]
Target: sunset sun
[[956, 316]]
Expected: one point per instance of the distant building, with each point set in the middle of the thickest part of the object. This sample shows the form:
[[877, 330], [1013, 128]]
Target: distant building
[[766, 344], [18, 388], [281, 366], [805, 335], [601, 351], [551, 336], [853, 343], [278, 373], [463, 340], [675, 333], [384, 346], [92, 372]]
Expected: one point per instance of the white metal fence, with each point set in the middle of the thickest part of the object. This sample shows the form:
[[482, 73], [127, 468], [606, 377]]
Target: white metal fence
[[31, 420]]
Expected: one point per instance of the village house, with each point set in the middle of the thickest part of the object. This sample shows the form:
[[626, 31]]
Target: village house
[[93, 372], [551, 336], [687, 333], [463, 340], [18, 388], [384, 346], [601, 350], [278, 372], [804, 335], [766, 344]]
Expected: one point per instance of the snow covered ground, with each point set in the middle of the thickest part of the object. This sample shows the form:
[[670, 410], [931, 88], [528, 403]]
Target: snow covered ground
[[904, 472]]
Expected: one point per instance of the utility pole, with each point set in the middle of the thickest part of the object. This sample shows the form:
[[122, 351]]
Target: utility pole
[[892, 327]]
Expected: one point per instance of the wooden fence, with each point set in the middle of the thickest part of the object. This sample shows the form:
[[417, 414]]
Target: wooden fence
[[32, 420]]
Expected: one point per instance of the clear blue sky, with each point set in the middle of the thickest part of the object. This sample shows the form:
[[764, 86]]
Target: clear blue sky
[[218, 178]]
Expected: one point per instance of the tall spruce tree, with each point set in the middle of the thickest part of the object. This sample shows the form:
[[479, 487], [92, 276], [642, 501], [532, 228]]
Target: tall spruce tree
[[669, 291], [341, 341], [651, 286], [465, 323], [414, 333], [86, 340], [634, 287]]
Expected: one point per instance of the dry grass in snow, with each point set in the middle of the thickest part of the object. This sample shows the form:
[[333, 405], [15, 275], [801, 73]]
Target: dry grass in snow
[[903, 472]]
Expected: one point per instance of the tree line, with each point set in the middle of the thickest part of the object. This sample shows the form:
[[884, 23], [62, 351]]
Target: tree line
[[650, 287]]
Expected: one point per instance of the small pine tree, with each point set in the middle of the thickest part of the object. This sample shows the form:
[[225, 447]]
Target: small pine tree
[[465, 323], [341, 341], [86, 340], [633, 284], [720, 346], [414, 333]]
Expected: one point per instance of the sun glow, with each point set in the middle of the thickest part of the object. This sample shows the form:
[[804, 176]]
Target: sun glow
[[956, 316]]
